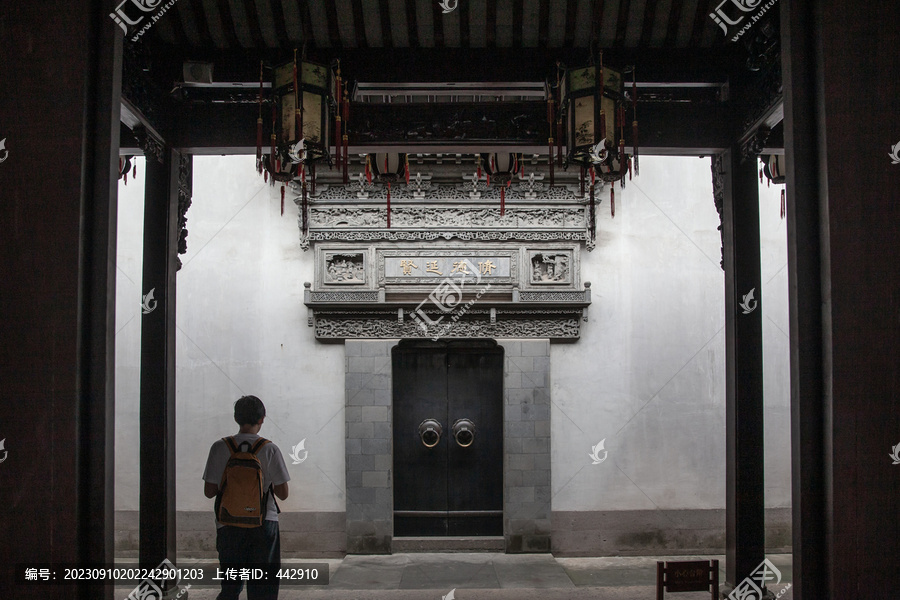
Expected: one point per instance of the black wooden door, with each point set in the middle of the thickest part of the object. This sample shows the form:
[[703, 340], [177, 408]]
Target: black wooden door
[[450, 488]]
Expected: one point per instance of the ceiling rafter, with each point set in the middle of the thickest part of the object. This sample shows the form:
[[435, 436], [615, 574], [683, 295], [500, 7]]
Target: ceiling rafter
[[384, 13], [359, 26], [334, 30], [281, 33], [571, 14], [412, 24]]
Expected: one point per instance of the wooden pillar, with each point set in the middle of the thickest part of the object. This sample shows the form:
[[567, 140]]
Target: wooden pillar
[[806, 251], [157, 395], [59, 118], [841, 123], [745, 502]]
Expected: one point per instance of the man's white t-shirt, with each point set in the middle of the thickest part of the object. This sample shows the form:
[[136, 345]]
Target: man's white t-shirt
[[274, 470]]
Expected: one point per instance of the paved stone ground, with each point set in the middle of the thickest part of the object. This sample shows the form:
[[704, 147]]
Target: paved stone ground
[[487, 576]]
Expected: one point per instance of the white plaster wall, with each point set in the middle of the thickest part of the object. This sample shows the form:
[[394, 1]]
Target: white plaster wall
[[129, 254], [242, 329], [648, 374]]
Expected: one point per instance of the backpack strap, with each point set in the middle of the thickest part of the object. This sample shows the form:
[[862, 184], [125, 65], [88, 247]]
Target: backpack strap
[[258, 445], [231, 443]]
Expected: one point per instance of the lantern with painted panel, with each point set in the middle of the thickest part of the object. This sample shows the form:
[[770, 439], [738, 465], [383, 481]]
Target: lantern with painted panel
[[301, 125], [594, 105]]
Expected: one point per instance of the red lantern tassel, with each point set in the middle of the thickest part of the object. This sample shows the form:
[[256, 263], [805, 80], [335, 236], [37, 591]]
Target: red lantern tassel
[[593, 216], [259, 122], [346, 160], [304, 214], [282, 199], [550, 162], [389, 205], [622, 165], [634, 123], [502, 201], [368, 169], [634, 133], [593, 176], [272, 150], [406, 169], [337, 117], [298, 103], [612, 201], [783, 204], [559, 154]]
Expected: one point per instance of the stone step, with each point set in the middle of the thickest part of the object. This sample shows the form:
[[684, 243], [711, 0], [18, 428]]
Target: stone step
[[449, 544]]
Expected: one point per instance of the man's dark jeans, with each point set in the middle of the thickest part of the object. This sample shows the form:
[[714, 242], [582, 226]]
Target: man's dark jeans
[[252, 547]]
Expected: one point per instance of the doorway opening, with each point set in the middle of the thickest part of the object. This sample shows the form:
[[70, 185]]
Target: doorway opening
[[448, 438]]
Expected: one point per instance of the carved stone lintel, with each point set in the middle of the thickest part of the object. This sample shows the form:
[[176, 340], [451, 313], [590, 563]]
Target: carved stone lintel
[[335, 327]]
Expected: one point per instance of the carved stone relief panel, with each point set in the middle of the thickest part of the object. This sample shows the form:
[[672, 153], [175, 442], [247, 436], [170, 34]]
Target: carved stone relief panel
[[343, 268], [550, 267]]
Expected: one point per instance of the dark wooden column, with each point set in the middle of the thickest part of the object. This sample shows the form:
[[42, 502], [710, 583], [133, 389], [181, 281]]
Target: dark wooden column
[[157, 404], [745, 508], [59, 118], [843, 252], [806, 251]]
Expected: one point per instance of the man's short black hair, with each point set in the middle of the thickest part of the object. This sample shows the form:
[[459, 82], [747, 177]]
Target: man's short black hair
[[249, 410]]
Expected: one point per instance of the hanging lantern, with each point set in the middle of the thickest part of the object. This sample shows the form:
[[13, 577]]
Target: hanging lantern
[[387, 168], [501, 168], [594, 106], [774, 167], [302, 123]]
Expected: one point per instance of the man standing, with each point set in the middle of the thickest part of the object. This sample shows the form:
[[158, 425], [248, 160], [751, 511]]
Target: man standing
[[249, 546]]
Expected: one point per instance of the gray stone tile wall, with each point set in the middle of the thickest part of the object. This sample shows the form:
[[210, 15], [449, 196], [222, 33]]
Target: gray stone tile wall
[[369, 482], [526, 461]]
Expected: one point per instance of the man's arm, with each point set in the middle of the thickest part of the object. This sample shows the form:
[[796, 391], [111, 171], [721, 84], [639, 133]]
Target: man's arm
[[281, 491], [210, 489]]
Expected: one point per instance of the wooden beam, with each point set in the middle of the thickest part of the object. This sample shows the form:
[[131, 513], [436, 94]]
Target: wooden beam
[[664, 129]]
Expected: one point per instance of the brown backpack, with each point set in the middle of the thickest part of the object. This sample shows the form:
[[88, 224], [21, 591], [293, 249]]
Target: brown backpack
[[241, 501]]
